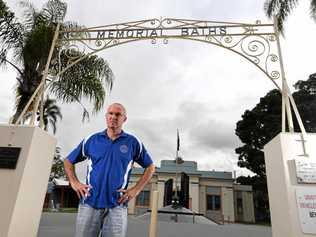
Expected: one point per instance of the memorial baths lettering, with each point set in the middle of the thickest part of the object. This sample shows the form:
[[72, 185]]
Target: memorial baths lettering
[[160, 33]]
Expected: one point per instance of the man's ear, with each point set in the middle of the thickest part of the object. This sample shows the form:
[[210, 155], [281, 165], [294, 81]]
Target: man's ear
[[125, 119]]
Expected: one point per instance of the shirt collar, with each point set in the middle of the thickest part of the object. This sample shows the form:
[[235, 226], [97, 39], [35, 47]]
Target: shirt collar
[[104, 133]]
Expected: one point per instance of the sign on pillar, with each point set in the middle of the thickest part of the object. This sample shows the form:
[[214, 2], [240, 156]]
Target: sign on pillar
[[26, 154], [291, 178]]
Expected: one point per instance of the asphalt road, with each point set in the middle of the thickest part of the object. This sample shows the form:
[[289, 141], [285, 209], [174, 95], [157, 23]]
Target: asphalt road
[[62, 225]]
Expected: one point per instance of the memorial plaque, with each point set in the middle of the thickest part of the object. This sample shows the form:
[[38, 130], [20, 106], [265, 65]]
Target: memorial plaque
[[305, 170], [9, 157], [306, 205]]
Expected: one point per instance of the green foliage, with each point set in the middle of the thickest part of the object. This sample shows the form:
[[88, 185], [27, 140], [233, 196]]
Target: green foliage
[[57, 170], [259, 125], [29, 42], [51, 113], [72, 86], [283, 8], [305, 97]]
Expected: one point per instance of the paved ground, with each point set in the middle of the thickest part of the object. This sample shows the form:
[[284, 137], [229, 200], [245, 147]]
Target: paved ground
[[62, 225]]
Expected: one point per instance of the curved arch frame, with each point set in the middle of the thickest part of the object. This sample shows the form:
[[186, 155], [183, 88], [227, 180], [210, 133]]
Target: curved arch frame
[[258, 43]]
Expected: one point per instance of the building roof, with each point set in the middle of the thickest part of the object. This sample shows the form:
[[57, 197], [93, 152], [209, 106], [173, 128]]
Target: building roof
[[189, 167]]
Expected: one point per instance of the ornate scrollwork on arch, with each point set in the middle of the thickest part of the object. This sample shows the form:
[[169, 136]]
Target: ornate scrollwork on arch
[[255, 42]]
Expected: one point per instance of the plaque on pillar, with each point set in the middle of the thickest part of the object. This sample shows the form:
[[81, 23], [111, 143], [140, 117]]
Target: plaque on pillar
[[26, 154], [9, 157], [305, 170], [306, 205]]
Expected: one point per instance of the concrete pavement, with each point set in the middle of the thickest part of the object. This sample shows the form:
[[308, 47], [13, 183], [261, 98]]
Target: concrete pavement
[[62, 225]]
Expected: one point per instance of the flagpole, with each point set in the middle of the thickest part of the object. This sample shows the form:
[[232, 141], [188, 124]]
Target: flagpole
[[177, 155]]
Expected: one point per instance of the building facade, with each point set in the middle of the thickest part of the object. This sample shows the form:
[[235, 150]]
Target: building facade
[[211, 193]]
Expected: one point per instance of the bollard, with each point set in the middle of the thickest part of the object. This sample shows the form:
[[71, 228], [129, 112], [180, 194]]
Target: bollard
[[153, 216]]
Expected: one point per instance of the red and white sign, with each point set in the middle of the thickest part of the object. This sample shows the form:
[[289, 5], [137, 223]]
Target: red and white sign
[[306, 203]]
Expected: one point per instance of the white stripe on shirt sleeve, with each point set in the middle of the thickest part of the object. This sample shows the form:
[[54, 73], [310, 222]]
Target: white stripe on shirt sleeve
[[83, 144], [140, 146]]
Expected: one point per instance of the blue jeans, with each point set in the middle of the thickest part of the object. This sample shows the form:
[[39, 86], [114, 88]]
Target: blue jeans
[[111, 222]]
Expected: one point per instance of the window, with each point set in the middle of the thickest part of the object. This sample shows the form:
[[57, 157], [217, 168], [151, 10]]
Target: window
[[213, 202], [143, 199]]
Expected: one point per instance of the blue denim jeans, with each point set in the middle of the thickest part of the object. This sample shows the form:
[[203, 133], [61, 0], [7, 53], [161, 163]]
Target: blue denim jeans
[[93, 222]]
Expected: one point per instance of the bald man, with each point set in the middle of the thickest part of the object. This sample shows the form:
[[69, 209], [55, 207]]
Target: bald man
[[104, 197]]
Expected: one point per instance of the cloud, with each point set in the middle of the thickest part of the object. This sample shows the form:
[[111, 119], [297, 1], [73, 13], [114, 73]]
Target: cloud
[[212, 134], [196, 87]]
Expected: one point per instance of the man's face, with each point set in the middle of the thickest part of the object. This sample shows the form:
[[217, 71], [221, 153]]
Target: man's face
[[115, 117]]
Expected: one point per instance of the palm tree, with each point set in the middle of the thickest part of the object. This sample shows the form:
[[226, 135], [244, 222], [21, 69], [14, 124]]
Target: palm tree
[[29, 43], [283, 8], [51, 113]]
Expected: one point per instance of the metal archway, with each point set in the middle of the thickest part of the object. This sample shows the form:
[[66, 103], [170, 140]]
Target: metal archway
[[258, 43]]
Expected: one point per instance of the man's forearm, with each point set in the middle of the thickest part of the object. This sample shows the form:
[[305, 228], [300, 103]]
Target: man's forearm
[[148, 173], [130, 193], [70, 172], [82, 190]]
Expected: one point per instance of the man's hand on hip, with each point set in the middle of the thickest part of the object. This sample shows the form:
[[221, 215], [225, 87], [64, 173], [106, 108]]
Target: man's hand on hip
[[128, 194], [81, 189]]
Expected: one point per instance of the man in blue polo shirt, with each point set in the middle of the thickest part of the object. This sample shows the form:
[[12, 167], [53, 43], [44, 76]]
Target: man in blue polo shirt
[[110, 154]]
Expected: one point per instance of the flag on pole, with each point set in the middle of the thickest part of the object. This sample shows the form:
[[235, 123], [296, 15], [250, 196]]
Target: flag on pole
[[178, 140]]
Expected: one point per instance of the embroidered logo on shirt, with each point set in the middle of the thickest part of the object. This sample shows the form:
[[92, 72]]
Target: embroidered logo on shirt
[[124, 148]]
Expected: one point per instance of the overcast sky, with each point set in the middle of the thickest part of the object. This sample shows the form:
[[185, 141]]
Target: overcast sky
[[198, 88]]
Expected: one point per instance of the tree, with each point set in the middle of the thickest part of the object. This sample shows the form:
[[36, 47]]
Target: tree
[[283, 8], [51, 112], [29, 43], [259, 125], [57, 170]]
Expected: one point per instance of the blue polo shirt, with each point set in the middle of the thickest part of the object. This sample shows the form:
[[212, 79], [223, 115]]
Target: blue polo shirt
[[109, 165]]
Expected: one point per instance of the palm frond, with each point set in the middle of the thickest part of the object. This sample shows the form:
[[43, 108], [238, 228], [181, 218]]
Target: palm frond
[[36, 47], [29, 14], [54, 11], [11, 31], [52, 124], [30, 43], [271, 6], [85, 79], [281, 9], [51, 113], [65, 93], [70, 25], [4, 61], [313, 9]]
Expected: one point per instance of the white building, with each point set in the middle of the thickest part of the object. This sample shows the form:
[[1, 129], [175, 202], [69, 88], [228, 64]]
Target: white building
[[211, 193]]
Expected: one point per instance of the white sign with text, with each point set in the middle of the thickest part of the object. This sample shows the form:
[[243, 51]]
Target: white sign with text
[[305, 170], [306, 204]]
